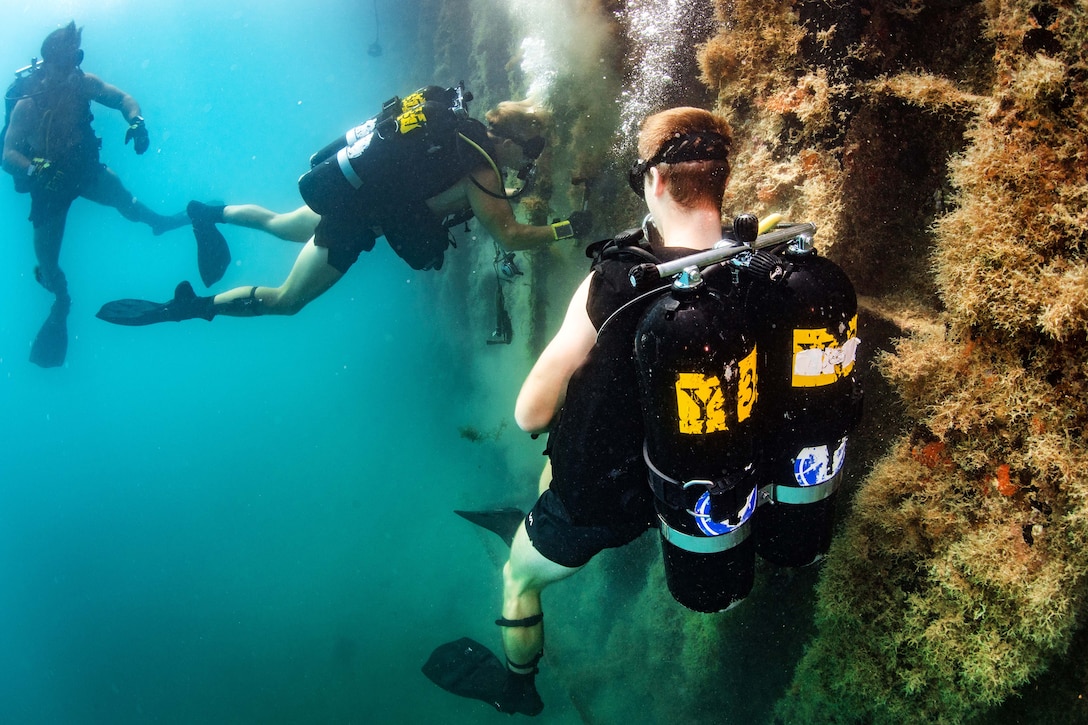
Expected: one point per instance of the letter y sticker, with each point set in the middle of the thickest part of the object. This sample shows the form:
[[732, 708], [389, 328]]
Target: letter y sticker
[[700, 403]]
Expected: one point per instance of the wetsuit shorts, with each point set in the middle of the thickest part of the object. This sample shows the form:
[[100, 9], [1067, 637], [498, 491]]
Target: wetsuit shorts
[[413, 233], [346, 237], [557, 539]]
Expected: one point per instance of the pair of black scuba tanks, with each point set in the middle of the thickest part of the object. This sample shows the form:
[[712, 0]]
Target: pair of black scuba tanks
[[748, 379]]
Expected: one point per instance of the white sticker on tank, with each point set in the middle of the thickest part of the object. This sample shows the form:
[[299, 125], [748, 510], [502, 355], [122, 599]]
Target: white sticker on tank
[[819, 358], [359, 132], [356, 149], [816, 464], [827, 363]]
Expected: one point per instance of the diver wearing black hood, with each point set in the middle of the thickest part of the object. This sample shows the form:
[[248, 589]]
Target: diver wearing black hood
[[52, 152]]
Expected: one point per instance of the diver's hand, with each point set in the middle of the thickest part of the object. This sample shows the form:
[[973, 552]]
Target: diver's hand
[[137, 134], [43, 174], [581, 222], [38, 168], [578, 224]]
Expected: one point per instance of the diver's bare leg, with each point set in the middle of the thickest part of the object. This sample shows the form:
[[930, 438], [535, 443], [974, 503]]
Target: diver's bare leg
[[292, 226], [309, 279], [107, 189]]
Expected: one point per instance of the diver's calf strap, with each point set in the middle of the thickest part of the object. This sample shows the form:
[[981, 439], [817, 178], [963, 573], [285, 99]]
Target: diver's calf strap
[[529, 668], [527, 622]]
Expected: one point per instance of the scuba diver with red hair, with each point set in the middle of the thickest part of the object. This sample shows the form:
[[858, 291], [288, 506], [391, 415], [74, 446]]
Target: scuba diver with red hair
[[584, 388]]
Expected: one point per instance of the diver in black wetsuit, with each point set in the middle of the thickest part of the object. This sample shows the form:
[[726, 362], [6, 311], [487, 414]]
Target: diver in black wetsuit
[[52, 152]]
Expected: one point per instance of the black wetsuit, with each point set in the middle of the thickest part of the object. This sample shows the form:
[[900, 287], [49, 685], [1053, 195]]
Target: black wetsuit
[[599, 496], [393, 199]]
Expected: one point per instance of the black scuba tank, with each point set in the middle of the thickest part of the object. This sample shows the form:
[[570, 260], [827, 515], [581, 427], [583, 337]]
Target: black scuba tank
[[389, 110], [696, 359], [27, 83], [369, 158], [804, 310]]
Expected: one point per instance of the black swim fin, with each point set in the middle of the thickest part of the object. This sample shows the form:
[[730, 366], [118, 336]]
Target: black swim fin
[[468, 669], [51, 344], [504, 521], [212, 252], [135, 313]]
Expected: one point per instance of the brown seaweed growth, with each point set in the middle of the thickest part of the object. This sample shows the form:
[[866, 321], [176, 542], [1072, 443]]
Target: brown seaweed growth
[[757, 45], [960, 574], [779, 108], [924, 90]]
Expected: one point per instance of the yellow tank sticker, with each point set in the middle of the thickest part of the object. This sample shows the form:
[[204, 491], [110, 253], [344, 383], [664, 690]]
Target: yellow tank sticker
[[700, 403], [412, 116], [410, 120], [701, 400], [818, 357], [746, 393]]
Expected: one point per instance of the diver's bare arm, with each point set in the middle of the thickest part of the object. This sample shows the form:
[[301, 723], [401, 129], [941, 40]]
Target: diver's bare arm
[[112, 97], [498, 218], [545, 388], [19, 128]]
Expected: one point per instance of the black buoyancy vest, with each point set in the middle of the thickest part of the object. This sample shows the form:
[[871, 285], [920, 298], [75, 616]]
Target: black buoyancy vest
[[413, 231], [416, 171], [596, 447]]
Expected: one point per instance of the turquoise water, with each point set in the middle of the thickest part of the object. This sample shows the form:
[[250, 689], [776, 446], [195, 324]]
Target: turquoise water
[[249, 521], [246, 521]]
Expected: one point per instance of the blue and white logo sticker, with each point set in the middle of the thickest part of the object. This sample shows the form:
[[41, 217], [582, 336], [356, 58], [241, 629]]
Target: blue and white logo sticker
[[816, 464], [710, 527]]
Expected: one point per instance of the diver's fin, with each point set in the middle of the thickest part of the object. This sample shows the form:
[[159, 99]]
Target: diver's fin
[[51, 344], [468, 669], [504, 521], [212, 252], [135, 313]]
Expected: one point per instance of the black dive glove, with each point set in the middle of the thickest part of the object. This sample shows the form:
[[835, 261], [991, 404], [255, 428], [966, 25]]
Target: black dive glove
[[43, 174], [578, 224], [137, 134]]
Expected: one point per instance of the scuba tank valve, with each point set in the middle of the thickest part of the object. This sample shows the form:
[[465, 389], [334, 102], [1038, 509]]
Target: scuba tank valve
[[461, 98], [26, 70], [723, 251]]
